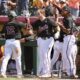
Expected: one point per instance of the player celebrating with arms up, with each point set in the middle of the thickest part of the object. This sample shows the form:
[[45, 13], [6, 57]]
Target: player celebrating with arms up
[[45, 30], [69, 42]]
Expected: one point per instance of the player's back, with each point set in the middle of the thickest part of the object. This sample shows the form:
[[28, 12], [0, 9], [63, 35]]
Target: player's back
[[11, 29]]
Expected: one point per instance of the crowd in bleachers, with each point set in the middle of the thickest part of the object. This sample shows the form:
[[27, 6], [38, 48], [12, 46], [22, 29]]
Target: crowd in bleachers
[[29, 7]]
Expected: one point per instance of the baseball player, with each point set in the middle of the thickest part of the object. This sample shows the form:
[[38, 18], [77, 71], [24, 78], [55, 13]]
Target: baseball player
[[58, 47], [12, 44], [69, 46], [44, 27]]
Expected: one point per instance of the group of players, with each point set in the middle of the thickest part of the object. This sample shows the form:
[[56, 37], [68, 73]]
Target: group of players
[[45, 28], [65, 44]]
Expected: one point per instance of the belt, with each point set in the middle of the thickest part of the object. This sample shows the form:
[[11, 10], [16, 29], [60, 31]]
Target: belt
[[13, 38], [67, 34], [45, 37], [10, 38], [59, 40]]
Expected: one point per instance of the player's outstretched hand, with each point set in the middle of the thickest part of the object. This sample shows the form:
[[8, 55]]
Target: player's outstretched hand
[[22, 40]]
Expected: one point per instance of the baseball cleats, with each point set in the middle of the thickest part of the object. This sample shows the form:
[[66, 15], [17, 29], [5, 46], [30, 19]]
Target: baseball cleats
[[70, 77], [74, 76], [19, 76], [45, 76], [3, 75]]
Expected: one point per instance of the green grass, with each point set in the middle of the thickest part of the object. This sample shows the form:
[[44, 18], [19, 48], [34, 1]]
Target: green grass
[[11, 78]]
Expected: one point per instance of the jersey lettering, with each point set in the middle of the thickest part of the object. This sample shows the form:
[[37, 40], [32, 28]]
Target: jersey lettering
[[10, 30], [43, 28]]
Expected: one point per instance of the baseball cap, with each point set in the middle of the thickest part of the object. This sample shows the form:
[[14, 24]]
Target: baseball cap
[[66, 8], [62, 1]]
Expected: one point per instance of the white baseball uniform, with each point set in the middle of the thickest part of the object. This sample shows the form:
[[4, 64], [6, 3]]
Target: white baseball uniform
[[69, 54], [43, 53], [58, 47], [12, 45], [12, 48]]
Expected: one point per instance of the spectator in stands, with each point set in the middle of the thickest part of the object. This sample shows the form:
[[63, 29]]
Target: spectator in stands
[[37, 4], [50, 10], [12, 6], [62, 3], [6, 6], [0, 2], [3, 7], [79, 9], [74, 7], [23, 7], [59, 4]]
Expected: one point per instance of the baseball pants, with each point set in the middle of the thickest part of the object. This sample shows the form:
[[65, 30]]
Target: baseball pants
[[57, 51], [43, 55], [12, 48], [69, 54]]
